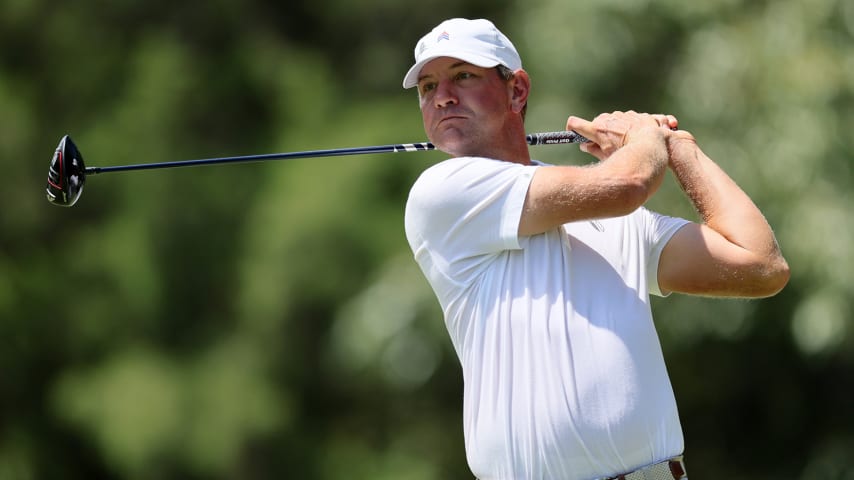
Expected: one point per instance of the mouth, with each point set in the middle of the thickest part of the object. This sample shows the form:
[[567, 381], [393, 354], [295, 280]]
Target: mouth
[[450, 118]]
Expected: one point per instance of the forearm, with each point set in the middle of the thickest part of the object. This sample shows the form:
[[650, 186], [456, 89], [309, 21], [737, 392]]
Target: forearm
[[722, 204], [616, 186]]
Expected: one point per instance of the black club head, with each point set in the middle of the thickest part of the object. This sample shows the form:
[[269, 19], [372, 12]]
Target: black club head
[[67, 174]]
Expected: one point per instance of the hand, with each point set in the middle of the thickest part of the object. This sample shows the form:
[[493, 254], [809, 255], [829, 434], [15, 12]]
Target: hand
[[609, 132]]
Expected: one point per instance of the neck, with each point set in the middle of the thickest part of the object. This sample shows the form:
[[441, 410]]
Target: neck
[[508, 145]]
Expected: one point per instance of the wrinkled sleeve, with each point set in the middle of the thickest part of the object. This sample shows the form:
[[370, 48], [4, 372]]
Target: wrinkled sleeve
[[659, 229]]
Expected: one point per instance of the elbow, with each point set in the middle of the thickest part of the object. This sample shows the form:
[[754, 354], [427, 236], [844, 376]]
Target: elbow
[[780, 276], [773, 278]]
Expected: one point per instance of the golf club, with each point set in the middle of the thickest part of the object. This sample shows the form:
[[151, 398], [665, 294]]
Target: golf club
[[67, 174]]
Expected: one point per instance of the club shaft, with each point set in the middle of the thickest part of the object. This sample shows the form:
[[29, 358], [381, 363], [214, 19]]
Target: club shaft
[[548, 138]]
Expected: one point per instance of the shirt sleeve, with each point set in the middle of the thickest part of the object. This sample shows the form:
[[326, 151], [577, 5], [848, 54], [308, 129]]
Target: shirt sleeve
[[463, 210], [659, 230]]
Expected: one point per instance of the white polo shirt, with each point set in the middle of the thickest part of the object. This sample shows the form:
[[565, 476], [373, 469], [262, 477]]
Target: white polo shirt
[[564, 375]]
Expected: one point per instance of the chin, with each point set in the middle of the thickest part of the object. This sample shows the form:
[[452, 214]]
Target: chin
[[455, 145], [453, 149]]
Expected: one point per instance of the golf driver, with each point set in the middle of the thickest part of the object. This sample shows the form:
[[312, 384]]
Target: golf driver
[[67, 173]]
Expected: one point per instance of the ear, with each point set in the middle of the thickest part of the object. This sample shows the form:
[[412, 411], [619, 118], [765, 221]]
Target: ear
[[520, 87]]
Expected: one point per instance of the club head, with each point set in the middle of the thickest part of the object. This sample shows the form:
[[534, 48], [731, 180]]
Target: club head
[[66, 175]]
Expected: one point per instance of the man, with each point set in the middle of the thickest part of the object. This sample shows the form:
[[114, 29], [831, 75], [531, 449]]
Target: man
[[544, 272]]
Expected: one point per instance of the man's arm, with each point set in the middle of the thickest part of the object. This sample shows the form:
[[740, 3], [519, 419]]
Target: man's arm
[[633, 156], [734, 252]]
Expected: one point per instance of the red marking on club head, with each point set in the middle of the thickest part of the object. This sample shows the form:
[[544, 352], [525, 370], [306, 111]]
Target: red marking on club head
[[61, 176]]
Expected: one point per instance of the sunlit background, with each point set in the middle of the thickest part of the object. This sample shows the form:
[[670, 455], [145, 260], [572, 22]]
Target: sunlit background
[[267, 320]]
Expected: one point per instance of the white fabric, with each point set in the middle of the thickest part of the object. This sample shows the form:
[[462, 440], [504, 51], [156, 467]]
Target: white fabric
[[564, 375], [477, 42]]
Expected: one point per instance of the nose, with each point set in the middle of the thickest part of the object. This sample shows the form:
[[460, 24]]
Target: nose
[[445, 95]]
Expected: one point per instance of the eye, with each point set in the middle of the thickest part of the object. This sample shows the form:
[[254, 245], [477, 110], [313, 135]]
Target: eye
[[464, 75], [427, 86]]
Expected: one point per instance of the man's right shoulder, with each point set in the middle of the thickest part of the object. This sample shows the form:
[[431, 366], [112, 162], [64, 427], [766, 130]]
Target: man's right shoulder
[[461, 167], [456, 163]]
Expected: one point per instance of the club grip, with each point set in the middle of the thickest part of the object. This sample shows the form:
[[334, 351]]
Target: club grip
[[552, 138]]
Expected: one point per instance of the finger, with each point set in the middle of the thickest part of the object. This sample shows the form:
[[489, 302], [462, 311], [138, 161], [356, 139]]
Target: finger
[[581, 126], [603, 117], [672, 122], [594, 150], [661, 120], [667, 121]]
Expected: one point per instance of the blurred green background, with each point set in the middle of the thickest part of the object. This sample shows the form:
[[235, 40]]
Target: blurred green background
[[267, 321]]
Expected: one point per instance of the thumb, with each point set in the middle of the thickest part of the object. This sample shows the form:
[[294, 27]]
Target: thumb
[[581, 126], [589, 131]]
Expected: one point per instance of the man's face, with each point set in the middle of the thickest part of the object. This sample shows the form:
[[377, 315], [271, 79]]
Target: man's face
[[464, 107]]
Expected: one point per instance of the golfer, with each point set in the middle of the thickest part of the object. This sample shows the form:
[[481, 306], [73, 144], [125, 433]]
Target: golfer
[[544, 272]]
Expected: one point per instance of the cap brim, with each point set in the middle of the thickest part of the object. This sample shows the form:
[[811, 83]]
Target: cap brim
[[411, 78]]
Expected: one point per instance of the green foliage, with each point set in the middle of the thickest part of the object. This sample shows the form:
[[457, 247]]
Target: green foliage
[[267, 321]]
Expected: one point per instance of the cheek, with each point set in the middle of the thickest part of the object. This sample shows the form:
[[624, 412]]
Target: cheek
[[426, 120], [427, 112], [425, 100], [490, 100]]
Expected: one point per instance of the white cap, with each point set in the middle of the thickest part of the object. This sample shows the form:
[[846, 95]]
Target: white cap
[[474, 41]]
